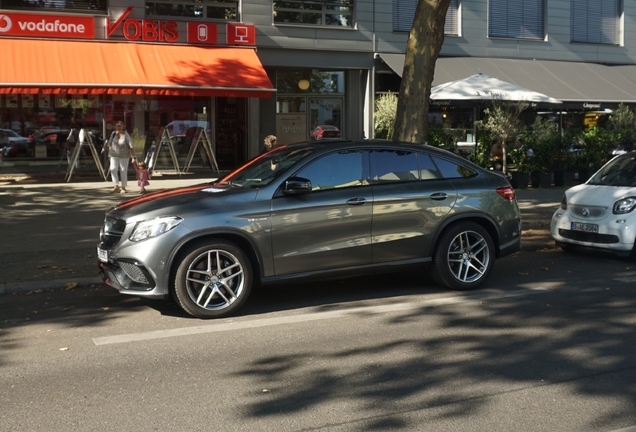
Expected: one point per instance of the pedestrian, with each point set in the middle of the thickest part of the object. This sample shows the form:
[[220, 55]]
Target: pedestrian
[[120, 151], [496, 155], [268, 143], [142, 176]]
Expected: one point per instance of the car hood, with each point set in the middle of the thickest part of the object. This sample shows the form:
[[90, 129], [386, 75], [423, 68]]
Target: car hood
[[182, 200], [593, 195]]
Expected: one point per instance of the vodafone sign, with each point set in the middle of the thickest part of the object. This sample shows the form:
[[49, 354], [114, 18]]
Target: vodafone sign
[[35, 25]]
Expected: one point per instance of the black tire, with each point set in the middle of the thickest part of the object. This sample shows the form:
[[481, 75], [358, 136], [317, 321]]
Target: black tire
[[464, 257], [204, 291], [566, 247]]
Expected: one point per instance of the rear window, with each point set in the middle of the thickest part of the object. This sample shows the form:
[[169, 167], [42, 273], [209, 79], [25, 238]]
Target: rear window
[[452, 170]]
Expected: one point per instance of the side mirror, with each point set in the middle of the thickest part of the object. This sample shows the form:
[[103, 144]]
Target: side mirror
[[297, 186]]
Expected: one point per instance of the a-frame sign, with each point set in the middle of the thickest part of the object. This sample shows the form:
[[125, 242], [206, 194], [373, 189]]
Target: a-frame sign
[[163, 139], [201, 137], [84, 139]]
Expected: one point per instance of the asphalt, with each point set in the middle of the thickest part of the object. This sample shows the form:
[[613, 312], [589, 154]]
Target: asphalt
[[49, 228]]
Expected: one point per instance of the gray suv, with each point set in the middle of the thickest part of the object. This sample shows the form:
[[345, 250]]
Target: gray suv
[[311, 210]]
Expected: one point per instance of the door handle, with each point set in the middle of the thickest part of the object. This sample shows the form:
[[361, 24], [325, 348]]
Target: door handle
[[356, 201], [439, 196]]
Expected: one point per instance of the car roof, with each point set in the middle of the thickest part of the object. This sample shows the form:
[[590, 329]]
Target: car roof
[[370, 144]]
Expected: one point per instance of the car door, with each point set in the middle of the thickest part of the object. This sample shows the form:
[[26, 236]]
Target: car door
[[410, 199], [330, 227]]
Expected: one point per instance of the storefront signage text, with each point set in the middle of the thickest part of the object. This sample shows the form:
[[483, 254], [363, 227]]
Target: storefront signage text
[[592, 105], [35, 25], [146, 30]]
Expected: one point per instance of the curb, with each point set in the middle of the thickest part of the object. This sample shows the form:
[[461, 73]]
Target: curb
[[60, 284]]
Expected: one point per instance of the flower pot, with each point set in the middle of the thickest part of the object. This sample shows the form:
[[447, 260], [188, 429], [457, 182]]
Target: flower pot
[[520, 180], [541, 179]]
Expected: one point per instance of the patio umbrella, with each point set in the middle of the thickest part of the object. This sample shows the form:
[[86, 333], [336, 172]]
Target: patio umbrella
[[479, 88]]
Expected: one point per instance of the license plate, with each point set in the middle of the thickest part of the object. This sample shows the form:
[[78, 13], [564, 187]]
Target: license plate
[[579, 226], [102, 254]]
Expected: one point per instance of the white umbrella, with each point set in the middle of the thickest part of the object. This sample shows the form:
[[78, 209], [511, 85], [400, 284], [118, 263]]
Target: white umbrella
[[480, 87]]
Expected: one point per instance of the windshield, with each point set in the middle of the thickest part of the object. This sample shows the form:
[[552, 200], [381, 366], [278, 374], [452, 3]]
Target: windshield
[[266, 168], [621, 171]]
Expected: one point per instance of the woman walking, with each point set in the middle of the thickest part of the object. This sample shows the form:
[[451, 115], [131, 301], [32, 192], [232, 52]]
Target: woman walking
[[120, 151]]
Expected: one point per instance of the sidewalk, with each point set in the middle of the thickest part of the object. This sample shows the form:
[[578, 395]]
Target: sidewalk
[[49, 229]]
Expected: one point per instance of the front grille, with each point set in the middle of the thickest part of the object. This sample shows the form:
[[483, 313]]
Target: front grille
[[111, 231], [588, 212], [133, 272], [588, 236]]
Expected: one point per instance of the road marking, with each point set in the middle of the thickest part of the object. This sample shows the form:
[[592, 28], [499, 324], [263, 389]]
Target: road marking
[[313, 316]]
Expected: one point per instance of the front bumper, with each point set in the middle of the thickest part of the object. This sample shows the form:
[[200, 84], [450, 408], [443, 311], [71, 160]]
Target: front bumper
[[130, 277], [615, 232]]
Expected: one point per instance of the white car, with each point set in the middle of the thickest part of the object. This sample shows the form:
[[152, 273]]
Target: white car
[[600, 213]]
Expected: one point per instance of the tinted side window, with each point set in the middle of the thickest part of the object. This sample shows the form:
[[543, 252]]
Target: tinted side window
[[428, 170], [336, 170], [451, 169], [395, 166]]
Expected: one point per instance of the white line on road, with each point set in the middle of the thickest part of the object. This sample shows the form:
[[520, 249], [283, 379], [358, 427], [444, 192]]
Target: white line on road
[[314, 316]]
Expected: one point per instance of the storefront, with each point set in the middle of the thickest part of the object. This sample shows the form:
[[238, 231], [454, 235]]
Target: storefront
[[153, 75]]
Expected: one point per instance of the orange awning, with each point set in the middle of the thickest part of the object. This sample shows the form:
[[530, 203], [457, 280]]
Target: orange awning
[[49, 66]]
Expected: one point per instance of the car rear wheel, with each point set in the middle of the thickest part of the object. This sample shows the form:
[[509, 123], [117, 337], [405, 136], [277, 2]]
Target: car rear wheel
[[464, 257], [213, 280]]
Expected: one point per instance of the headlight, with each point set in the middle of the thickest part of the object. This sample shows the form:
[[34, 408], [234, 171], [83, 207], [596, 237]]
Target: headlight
[[564, 203], [154, 227], [624, 205]]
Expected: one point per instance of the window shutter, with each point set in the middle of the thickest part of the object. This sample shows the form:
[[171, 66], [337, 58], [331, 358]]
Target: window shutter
[[77, 6], [516, 19], [595, 21]]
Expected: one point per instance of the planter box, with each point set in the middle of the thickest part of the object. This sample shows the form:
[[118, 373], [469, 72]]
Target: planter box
[[520, 180], [541, 179]]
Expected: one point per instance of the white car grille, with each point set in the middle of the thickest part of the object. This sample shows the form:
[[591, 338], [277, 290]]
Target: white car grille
[[588, 212]]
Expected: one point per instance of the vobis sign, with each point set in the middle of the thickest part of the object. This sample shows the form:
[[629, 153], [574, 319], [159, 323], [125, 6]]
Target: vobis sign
[[49, 26], [205, 33]]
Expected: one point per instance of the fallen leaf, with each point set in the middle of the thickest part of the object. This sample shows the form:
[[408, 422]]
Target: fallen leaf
[[42, 266], [265, 391], [34, 312], [607, 289], [545, 269], [71, 285], [38, 291], [64, 349], [105, 308], [522, 273]]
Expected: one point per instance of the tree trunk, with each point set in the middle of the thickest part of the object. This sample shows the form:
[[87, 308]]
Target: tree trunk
[[422, 49]]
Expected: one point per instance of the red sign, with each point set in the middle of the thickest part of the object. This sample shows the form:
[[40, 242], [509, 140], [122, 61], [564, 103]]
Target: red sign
[[146, 30], [35, 25], [202, 33], [240, 34]]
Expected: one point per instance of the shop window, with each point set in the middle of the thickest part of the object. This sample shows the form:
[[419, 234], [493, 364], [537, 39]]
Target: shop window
[[204, 9], [595, 21], [404, 12], [335, 13], [312, 81], [76, 6], [520, 19]]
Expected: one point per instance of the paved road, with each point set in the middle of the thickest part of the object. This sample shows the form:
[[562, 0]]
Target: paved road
[[49, 229]]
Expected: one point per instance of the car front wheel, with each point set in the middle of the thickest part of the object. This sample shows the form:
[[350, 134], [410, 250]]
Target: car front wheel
[[464, 257], [213, 280]]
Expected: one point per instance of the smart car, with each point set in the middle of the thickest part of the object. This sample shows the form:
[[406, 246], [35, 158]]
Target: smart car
[[599, 213]]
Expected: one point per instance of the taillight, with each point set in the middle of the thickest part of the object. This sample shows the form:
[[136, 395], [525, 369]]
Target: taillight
[[507, 192]]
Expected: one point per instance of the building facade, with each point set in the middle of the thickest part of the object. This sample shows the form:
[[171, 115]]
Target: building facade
[[242, 70]]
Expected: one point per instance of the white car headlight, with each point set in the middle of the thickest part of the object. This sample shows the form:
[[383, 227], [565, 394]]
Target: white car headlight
[[154, 227], [624, 205]]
